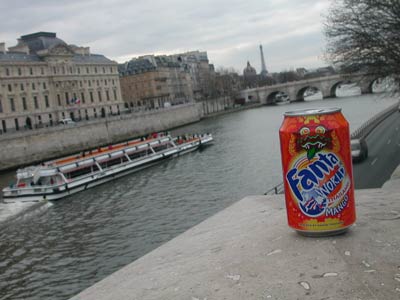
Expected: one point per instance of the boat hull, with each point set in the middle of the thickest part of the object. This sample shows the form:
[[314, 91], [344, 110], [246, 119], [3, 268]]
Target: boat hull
[[68, 189]]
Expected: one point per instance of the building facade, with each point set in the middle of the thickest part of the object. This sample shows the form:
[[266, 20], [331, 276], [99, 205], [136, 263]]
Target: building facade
[[44, 80], [202, 73], [154, 82]]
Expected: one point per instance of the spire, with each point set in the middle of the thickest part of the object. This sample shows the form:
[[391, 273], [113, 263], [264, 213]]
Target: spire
[[264, 71]]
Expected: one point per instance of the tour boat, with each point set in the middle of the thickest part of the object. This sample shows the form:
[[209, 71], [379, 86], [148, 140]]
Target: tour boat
[[62, 177]]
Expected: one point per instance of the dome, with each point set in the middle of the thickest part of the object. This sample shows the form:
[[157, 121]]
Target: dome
[[249, 70], [41, 40]]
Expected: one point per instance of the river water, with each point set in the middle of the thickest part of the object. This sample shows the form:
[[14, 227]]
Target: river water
[[66, 246]]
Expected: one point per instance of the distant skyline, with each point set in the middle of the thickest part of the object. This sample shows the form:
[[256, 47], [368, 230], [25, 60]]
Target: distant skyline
[[230, 31]]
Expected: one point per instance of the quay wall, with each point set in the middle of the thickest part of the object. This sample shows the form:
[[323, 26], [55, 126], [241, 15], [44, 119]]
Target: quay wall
[[38, 145]]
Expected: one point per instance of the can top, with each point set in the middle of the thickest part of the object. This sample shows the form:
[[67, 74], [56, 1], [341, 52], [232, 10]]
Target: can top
[[312, 111]]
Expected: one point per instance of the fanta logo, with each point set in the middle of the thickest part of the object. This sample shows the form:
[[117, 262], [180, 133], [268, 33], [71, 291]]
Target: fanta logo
[[320, 185]]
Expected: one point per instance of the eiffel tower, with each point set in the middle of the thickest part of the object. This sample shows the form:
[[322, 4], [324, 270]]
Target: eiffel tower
[[264, 72]]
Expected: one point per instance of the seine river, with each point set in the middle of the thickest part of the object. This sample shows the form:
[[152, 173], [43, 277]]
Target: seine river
[[59, 250]]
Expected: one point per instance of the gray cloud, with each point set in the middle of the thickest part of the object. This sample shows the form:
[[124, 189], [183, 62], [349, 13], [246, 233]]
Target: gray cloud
[[230, 31]]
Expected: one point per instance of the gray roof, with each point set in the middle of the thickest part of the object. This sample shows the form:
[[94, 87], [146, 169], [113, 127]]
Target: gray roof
[[13, 57], [141, 65], [136, 66], [41, 40], [18, 57], [92, 58], [47, 40]]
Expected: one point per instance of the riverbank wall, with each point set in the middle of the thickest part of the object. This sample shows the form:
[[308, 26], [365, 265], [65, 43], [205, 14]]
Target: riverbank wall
[[38, 145], [33, 146]]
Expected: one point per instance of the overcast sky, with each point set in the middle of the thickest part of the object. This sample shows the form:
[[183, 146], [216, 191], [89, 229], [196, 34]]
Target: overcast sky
[[229, 30]]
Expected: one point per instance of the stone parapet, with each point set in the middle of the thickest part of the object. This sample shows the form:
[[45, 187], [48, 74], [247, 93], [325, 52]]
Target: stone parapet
[[247, 251]]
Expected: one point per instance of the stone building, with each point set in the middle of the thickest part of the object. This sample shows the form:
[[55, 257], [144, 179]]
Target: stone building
[[202, 73], [154, 82], [44, 80], [250, 77]]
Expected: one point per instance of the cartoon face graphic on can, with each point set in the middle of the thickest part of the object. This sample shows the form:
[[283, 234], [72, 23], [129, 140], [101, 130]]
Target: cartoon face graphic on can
[[317, 170]]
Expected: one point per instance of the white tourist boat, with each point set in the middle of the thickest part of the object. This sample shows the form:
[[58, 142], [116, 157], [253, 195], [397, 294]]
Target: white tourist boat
[[59, 178]]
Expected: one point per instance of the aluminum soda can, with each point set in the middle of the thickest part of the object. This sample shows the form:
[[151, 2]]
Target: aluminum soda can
[[317, 171]]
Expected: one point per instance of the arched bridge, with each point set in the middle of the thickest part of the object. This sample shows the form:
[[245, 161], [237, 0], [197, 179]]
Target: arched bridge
[[295, 90]]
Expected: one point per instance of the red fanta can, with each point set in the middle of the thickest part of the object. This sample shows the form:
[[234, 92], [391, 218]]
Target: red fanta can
[[317, 171]]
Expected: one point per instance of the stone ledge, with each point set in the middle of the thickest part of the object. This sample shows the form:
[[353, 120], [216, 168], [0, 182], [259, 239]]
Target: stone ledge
[[248, 252]]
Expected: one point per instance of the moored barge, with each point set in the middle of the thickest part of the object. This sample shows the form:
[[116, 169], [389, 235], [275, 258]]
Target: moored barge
[[62, 177]]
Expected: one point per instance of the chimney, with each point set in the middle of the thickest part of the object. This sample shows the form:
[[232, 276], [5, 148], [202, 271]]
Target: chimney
[[3, 48], [20, 48]]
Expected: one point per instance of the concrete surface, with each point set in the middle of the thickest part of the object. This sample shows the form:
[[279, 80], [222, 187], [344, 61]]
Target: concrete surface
[[247, 251], [394, 182], [383, 154]]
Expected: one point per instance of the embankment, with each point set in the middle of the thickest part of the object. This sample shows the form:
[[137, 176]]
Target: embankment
[[34, 146]]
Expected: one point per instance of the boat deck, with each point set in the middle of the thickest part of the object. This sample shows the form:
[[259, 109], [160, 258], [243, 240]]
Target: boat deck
[[105, 150]]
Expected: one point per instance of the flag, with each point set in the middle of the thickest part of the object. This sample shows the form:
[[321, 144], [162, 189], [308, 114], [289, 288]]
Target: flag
[[75, 101]]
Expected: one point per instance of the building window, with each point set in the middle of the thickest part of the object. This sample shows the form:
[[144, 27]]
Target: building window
[[51, 119], [99, 94], [83, 97], [31, 71], [12, 104], [35, 101], [95, 70], [66, 98], [24, 106], [63, 69], [87, 70], [54, 70], [98, 83], [16, 124], [46, 100], [104, 70], [1, 107], [9, 88], [63, 115], [44, 85], [42, 71], [7, 73], [111, 70], [108, 95], [19, 71], [3, 123], [33, 86], [115, 95], [22, 86], [105, 81], [40, 119], [70, 70], [94, 113], [113, 82], [58, 99], [79, 70], [91, 97], [80, 83]]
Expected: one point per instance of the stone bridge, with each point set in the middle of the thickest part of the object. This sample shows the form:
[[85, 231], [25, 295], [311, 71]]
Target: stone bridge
[[295, 90]]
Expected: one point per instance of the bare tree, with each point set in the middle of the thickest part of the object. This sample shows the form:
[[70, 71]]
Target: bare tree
[[364, 36]]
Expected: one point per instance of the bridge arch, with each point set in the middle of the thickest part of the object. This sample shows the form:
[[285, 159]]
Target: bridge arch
[[305, 91], [365, 85], [276, 96]]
